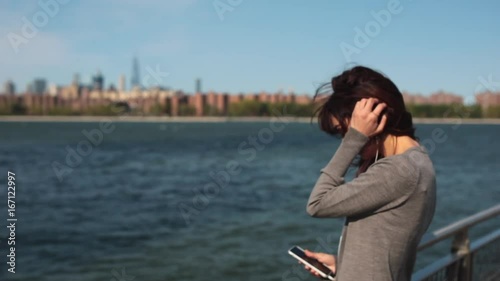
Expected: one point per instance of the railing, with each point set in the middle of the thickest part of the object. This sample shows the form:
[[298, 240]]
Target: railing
[[467, 261]]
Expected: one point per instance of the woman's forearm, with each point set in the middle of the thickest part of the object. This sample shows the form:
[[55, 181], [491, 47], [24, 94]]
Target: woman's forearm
[[333, 173]]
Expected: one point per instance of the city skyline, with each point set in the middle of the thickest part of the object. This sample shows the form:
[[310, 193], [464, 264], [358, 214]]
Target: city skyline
[[97, 82], [80, 100]]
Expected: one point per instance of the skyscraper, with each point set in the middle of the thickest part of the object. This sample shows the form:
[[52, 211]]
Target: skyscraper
[[29, 88], [76, 79], [10, 88], [53, 90], [98, 82], [39, 86], [121, 83], [198, 85], [135, 78]]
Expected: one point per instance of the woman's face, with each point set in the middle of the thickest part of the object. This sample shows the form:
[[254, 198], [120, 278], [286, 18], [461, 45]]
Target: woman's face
[[338, 127]]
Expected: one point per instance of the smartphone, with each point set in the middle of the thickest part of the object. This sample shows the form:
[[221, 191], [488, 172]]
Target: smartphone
[[298, 253]]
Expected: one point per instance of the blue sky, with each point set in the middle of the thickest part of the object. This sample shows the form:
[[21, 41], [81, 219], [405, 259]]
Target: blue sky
[[254, 45]]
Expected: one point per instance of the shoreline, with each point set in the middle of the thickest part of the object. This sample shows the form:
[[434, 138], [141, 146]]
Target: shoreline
[[208, 119]]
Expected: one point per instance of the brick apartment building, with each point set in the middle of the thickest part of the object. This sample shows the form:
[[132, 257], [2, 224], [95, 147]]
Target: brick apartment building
[[488, 99], [435, 98]]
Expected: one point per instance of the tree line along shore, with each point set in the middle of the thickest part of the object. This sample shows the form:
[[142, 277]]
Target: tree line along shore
[[246, 108]]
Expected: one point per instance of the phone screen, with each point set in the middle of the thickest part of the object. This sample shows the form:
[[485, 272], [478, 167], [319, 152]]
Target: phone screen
[[314, 262]]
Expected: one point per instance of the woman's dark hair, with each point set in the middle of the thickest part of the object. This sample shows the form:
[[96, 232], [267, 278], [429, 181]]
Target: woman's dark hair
[[339, 97]]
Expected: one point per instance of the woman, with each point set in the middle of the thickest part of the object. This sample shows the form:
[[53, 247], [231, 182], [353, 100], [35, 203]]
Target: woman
[[390, 203]]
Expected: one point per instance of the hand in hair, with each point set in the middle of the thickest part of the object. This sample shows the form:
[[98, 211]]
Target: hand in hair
[[365, 118]]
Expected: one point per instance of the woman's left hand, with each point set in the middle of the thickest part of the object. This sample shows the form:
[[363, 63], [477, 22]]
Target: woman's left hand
[[327, 259]]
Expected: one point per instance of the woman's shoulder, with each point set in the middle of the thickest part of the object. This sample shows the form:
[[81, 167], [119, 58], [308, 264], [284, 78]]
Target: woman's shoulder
[[407, 166], [413, 156]]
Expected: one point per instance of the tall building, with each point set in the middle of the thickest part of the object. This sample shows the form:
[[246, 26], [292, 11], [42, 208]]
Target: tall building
[[10, 88], [76, 79], [135, 80], [29, 88], [98, 82], [54, 90], [121, 83], [39, 86], [198, 85]]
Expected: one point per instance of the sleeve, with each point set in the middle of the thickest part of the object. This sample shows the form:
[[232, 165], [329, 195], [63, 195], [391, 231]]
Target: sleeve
[[383, 184]]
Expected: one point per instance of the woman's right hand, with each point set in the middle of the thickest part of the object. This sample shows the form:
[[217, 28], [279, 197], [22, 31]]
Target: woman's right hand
[[327, 259], [365, 118]]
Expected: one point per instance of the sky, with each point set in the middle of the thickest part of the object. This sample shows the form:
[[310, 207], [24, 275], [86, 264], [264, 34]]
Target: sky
[[253, 45]]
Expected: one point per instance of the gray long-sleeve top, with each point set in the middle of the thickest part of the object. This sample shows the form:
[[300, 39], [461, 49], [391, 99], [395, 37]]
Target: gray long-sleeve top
[[388, 208]]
